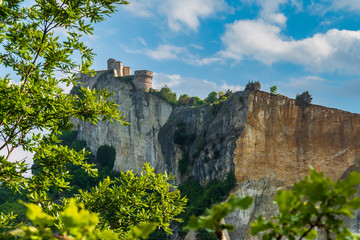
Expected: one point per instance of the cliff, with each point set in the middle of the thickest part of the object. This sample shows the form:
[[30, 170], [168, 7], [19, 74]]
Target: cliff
[[268, 141]]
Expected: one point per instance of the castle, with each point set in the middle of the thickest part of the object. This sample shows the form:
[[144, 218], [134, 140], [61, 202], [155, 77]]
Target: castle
[[142, 79]]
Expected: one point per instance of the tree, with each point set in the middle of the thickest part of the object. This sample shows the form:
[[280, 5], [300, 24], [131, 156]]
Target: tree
[[167, 94], [315, 204], [115, 207], [304, 97], [124, 210], [183, 99], [253, 86], [212, 97], [34, 53], [273, 90], [228, 93]]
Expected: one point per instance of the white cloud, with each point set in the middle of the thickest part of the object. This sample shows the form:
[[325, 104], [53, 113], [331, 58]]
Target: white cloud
[[172, 52], [165, 51], [142, 8], [189, 12], [323, 6], [256, 39], [270, 10], [351, 5], [305, 82], [179, 14], [190, 85], [203, 61]]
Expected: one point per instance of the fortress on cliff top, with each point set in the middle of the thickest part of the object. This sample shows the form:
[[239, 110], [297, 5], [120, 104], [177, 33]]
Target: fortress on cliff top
[[142, 79]]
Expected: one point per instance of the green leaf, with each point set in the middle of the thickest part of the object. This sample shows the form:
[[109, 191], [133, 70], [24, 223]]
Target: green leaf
[[259, 225], [37, 216], [143, 230], [311, 235]]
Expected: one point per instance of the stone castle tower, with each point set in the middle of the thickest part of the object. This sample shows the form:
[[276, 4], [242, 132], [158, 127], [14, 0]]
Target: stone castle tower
[[142, 79]]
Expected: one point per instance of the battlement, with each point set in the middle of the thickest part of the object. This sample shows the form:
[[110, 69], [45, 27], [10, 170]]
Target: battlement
[[142, 78]]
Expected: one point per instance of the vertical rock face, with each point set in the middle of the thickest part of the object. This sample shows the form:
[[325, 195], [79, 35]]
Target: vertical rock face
[[268, 141], [281, 139], [137, 143]]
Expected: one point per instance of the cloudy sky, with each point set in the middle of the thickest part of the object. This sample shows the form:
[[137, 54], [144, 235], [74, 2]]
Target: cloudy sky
[[197, 46]]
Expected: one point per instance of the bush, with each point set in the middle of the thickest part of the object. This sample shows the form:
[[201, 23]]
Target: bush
[[198, 102], [201, 198], [273, 90], [183, 99], [228, 93], [253, 86], [212, 97], [78, 145], [168, 95], [304, 97], [106, 155], [68, 137]]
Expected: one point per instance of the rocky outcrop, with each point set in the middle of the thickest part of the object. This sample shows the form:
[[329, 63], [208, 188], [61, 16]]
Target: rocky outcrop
[[282, 139], [137, 143], [268, 141]]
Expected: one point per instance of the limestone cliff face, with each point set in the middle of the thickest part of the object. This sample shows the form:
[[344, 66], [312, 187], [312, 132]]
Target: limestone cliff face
[[268, 141], [281, 139], [137, 143]]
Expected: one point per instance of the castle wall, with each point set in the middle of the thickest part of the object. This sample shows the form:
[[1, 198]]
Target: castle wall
[[126, 71], [117, 66], [143, 79]]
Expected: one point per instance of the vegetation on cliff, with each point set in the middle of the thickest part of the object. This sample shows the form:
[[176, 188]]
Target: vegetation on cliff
[[304, 97], [169, 96]]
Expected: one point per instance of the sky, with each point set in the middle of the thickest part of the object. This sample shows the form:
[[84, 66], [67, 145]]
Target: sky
[[199, 46]]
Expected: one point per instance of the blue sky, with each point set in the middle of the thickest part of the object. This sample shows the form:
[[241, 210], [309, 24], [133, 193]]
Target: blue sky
[[197, 46]]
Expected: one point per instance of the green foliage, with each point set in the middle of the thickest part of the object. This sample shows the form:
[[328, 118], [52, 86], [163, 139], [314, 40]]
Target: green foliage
[[273, 90], [183, 99], [304, 97], [228, 93], [67, 138], [78, 145], [166, 94], [222, 98], [253, 86], [106, 155], [32, 52], [198, 102], [212, 220], [314, 204], [76, 223], [212, 97], [131, 199], [201, 198]]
